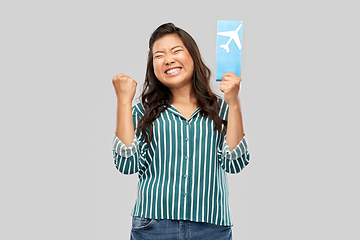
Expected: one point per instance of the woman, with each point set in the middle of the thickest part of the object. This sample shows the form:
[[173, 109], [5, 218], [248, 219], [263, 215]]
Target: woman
[[185, 139]]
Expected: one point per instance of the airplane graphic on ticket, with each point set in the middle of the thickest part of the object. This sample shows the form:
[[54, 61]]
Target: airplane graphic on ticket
[[233, 35]]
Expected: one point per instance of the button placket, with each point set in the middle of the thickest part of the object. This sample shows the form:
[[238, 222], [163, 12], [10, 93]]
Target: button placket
[[186, 158]]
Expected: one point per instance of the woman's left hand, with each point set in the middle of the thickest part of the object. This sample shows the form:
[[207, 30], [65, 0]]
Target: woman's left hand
[[230, 85]]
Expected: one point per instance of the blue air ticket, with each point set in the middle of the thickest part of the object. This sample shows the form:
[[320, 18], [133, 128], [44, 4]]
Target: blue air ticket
[[229, 46]]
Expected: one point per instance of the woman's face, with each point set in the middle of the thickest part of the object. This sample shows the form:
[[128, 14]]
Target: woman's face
[[172, 62]]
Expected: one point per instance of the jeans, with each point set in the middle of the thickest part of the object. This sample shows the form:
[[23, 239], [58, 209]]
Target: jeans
[[165, 229]]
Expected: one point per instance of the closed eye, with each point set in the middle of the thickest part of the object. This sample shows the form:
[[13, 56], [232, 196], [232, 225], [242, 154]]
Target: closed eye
[[179, 50], [158, 56]]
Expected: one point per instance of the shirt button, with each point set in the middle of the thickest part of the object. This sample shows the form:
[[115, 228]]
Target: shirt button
[[184, 194], [186, 158], [185, 176], [186, 139]]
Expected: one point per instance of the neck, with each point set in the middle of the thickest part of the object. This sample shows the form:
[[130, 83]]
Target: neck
[[183, 95]]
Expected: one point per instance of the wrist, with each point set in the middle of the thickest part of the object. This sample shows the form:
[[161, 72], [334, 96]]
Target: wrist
[[124, 101], [234, 104]]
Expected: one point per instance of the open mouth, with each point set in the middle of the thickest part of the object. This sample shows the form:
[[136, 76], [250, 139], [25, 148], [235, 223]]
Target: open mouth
[[173, 71]]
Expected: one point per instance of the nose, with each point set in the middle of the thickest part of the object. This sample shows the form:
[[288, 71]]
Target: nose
[[169, 60]]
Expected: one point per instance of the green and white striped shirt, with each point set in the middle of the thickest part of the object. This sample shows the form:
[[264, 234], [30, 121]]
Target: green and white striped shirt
[[182, 171]]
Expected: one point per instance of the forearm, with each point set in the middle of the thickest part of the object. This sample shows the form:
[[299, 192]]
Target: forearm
[[124, 123], [235, 130]]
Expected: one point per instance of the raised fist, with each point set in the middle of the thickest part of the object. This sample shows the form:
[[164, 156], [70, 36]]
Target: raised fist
[[125, 88]]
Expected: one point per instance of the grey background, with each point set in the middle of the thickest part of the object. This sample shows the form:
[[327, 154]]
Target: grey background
[[300, 102]]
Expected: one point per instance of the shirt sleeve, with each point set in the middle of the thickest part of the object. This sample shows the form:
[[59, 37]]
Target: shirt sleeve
[[129, 160], [231, 161], [236, 160]]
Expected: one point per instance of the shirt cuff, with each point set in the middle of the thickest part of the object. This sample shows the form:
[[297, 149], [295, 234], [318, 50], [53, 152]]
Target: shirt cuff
[[238, 151], [120, 148]]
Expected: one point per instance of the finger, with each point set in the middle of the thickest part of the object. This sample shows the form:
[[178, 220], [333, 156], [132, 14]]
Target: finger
[[225, 77], [223, 88], [127, 79], [124, 77], [132, 80], [118, 77], [231, 80], [228, 77], [226, 87], [232, 74], [230, 83]]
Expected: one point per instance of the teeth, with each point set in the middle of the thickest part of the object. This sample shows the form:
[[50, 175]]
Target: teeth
[[173, 71]]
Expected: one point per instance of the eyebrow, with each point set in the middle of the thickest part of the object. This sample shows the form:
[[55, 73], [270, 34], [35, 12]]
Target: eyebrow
[[170, 49]]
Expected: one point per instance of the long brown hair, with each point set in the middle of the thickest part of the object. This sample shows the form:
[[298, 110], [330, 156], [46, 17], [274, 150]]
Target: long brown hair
[[156, 97]]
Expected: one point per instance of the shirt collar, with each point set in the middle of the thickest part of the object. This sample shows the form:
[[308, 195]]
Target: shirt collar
[[173, 110]]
